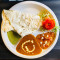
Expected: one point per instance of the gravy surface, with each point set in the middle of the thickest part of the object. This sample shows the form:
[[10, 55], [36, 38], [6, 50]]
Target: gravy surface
[[45, 39], [28, 46]]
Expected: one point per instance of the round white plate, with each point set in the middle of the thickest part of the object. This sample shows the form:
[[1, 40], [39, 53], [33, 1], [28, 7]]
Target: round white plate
[[29, 7]]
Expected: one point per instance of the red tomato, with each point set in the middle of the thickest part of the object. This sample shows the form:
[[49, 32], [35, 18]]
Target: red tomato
[[48, 24]]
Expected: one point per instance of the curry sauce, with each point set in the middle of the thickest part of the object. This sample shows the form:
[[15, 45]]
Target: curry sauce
[[45, 39], [28, 46]]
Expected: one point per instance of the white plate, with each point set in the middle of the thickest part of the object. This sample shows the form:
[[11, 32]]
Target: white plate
[[30, 7]]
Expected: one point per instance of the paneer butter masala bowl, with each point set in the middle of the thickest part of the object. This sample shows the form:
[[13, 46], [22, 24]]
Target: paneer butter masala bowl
[[29, 29]]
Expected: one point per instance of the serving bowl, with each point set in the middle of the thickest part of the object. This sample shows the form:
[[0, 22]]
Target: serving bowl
[[29, 7]]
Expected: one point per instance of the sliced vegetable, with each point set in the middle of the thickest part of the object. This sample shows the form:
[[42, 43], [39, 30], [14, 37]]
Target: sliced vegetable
[[55, 28], [48, 24], [44, 14], [13, 37]]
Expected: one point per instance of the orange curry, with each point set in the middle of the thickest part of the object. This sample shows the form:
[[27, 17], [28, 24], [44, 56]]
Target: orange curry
[[46, 39], [28, 46]]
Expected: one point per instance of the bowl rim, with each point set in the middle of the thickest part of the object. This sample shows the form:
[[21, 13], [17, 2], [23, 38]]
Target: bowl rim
[[35, 56]]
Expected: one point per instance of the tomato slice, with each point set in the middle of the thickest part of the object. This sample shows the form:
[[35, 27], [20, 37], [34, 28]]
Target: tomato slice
[[48, 24]]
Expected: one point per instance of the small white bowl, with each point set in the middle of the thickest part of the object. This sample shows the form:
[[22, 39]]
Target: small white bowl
[[32, 7]]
